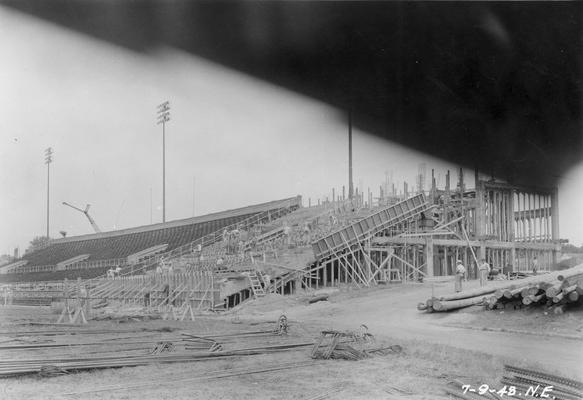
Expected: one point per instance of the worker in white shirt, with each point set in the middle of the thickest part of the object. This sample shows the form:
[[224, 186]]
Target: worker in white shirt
[[484, 270], [460, 272], [534, 265]]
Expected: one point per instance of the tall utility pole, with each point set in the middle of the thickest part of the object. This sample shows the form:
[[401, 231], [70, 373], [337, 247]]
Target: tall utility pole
[[48, 161], [163, 117], [350, 185]]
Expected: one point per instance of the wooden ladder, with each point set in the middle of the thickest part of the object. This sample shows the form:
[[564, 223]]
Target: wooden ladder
[[256, 284]]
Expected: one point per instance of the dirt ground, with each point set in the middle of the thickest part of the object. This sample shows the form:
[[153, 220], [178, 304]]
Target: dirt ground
[[471, 345]]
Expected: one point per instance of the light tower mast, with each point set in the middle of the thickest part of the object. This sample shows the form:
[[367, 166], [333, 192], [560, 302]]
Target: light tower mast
[[163, 117], [48, 161]]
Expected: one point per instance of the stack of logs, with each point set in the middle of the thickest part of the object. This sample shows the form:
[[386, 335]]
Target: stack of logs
[[556, 290]]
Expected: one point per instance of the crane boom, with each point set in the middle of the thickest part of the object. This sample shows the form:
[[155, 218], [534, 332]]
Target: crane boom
[[86, 212]]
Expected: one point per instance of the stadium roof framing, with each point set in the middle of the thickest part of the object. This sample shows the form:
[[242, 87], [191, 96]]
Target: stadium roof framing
[[252, 209]]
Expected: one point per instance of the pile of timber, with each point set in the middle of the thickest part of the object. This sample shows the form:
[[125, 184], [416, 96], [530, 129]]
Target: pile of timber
[[556, 290]]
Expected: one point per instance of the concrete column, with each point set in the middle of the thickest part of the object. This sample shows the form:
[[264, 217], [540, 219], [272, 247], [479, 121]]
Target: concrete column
[[555, 215], [511, 217]]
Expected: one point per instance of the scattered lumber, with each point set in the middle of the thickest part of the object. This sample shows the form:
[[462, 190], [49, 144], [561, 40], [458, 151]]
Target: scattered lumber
[[439, 305], [557, 290], [316, 299], [332, 345]]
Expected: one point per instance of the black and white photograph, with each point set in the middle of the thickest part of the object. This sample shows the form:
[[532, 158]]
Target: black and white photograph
[[291, 200]]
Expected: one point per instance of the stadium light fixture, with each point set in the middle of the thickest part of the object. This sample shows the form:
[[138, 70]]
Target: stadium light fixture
[[163, 117], [48, 161]]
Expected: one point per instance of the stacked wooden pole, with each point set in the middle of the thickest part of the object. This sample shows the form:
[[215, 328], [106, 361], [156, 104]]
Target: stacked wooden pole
[[555, 290]]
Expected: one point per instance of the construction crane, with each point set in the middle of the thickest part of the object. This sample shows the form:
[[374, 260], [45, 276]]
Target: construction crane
[[86, 212]]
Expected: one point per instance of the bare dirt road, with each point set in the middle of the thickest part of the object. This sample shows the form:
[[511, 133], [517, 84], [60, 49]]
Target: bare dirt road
[[389, 311]]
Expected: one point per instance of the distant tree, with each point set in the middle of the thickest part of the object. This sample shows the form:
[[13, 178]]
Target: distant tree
[[571, 248], [37, 243]]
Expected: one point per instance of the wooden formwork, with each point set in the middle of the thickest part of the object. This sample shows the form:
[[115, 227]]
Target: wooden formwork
[[506, 225], [195, 288]]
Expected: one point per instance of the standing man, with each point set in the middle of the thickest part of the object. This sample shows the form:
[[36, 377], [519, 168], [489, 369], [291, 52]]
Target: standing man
[[534, 265], [166, 293], [484, 270], [460, 272]]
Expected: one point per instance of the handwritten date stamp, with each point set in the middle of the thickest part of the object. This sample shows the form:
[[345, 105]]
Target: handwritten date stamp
[[538, 391]]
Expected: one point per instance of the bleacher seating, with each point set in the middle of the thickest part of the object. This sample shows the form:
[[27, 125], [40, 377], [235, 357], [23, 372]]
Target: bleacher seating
[[54, 276], [124, 245], [120, 244]]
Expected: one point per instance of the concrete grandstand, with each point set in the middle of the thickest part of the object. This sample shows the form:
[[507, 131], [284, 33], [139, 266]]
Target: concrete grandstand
[[89, 256]]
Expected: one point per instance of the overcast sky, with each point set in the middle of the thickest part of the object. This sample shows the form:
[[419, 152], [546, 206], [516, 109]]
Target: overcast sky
[[242, 140]]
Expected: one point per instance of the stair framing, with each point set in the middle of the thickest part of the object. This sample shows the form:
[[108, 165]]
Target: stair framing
[[337, 242], [255, 281], [344, 253]]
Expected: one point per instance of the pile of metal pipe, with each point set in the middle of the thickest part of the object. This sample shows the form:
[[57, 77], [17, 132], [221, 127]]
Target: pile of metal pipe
[[533, 383], [16, 367]]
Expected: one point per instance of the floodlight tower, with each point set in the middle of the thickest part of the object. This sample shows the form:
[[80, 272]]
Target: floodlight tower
[[48, 161], [163, 117]]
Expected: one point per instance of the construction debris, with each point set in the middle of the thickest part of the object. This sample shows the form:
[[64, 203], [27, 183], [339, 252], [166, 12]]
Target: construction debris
[[161, 347], [332, 345], [535, 383], [316, 299], [556, 290]]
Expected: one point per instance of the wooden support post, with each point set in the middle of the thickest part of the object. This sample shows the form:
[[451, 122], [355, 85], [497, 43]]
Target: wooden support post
[[429, 256], [482, 253], [479, 228], [445, 261]]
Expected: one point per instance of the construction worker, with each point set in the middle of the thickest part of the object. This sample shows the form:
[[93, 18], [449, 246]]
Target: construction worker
[[483, 271], [534, 265], [166, 293], [460, 272], [266, 281], [286, 235], [220, 263]]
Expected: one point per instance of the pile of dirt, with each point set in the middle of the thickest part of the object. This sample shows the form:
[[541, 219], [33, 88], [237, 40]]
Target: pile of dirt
[[270, 302]]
